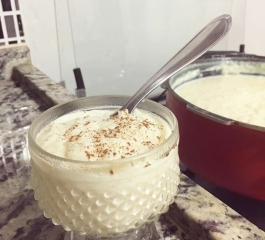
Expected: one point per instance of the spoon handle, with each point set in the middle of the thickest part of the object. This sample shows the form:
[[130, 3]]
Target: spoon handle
[[208, 37]]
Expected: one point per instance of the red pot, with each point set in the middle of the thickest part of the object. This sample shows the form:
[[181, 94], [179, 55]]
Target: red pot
[[228, 153]]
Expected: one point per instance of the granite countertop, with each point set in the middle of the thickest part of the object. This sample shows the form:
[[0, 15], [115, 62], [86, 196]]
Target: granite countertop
[[195, 214]]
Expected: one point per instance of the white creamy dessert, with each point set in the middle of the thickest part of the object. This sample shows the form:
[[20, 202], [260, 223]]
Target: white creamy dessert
[[94, 135], [128, 173], [237, 97]]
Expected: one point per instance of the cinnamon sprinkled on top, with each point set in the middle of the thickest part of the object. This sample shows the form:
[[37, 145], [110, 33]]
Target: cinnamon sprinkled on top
[[94, 135]]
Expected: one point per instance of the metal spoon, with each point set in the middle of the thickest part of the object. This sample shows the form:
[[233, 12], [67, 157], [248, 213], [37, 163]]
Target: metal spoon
[[208, 37]]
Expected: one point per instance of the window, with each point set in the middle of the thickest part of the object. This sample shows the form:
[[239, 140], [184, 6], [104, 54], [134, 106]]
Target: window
[[11, 28]]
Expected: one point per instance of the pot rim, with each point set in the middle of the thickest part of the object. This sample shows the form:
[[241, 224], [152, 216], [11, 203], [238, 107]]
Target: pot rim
[[217, 56]]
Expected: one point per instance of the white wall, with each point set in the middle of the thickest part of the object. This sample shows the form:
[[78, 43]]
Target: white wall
[[39, 25], [255, 27], [120, 44]]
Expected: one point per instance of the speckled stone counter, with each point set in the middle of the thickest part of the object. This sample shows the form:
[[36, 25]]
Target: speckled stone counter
[[10, 57], [198, 213]]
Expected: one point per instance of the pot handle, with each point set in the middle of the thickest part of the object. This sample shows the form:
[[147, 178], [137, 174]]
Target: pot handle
[[209, 115]]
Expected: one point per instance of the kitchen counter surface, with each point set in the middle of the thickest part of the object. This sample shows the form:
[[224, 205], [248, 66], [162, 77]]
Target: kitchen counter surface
[[198, 213]]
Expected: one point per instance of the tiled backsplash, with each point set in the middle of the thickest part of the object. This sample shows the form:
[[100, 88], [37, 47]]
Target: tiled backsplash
[[11, 28]]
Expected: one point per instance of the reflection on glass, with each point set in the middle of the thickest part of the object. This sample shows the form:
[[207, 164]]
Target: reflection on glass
[[20, 26], [6, 4], [17, 5], [10, 26], [1, 30]]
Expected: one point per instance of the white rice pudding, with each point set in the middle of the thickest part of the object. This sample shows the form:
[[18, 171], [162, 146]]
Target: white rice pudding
[[111, 198], [95, 136], [237, 97]]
